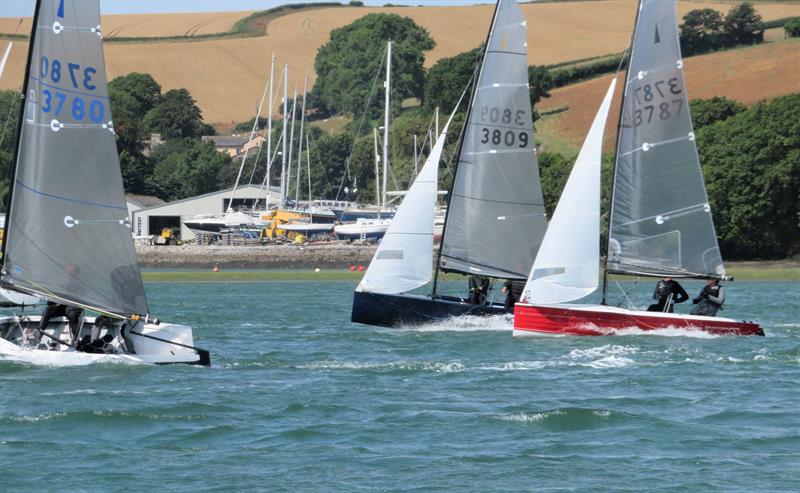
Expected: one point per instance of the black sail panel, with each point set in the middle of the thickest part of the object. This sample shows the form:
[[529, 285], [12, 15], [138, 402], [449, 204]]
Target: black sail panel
[[661, 220], [69, 235]]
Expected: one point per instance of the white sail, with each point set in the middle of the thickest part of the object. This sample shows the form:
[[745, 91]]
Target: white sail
[[404, 259], [567, 266]]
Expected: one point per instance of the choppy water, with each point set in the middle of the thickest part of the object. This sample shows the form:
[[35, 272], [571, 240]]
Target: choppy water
[[300, 399]]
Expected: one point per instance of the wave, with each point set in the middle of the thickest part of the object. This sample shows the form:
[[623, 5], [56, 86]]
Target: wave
[[466, 323]]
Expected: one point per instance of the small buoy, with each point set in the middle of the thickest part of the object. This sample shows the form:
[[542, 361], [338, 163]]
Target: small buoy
[[317, 269], [215, 269], [352, 268], [361, 268]]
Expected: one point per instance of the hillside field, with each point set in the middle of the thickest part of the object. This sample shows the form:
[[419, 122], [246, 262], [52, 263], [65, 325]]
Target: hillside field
[[748, 75], [226, 76]]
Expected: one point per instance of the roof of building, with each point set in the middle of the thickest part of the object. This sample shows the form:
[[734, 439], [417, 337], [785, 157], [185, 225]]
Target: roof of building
[[227, 140], [143, 200], [248, 187]]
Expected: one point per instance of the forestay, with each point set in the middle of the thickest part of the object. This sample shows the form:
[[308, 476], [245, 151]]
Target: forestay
[[496, 218], [69, 236], [661, 220], [404, 259], [567, 266]]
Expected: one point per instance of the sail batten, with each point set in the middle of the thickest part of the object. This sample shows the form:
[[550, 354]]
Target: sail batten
[[661, 220], [497, 175], [68, 235]]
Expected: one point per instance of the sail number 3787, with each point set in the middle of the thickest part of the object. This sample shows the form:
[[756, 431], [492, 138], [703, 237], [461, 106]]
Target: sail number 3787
[[81, 79], [498, 136], [653, 101]]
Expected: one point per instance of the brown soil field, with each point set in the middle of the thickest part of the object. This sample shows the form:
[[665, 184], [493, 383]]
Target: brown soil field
[[226, 76], [149, 25], [747, 75]]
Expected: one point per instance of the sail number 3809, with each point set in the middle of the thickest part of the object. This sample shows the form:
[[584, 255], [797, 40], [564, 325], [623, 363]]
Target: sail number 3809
[[498, 116], [81, 79]]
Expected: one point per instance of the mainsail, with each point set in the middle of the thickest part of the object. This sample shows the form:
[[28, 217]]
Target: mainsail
[[496, 217], [567, 266], [68, 237], [404, 258], [660, 217]]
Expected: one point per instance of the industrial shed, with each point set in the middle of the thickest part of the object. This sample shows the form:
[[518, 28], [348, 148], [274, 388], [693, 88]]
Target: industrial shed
[[151, 220]]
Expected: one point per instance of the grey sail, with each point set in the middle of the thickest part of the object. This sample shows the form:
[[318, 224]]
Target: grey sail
[[496, 217], [660, 218], [69, 237]]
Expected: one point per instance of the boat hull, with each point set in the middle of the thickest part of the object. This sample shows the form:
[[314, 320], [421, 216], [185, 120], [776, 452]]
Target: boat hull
[[155, 344], [599, 320], [389, 310]]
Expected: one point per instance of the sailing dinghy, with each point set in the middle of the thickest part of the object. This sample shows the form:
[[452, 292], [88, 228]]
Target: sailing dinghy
[[495, 217], [661, 223], [68, 237]]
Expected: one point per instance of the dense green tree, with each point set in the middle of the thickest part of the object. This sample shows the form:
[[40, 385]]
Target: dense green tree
[[142, 93], [446, 80], [9, 116], [751, 163], [743, 25], [701, 31], [177, 116], [540, 82], [708, 111], [792, 28], [347, 65], [185, 168]]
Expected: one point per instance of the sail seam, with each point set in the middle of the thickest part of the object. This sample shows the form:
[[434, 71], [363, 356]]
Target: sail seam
[[84, 202], [72, 91]]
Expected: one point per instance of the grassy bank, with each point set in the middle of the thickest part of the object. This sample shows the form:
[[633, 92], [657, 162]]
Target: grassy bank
[[766, 272]]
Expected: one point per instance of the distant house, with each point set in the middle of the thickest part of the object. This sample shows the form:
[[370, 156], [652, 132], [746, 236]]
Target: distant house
[[234, 145]]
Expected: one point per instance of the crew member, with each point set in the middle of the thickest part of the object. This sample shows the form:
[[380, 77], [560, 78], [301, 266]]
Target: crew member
[[478, 289], [73, 313], [710, 299], [667, 293]]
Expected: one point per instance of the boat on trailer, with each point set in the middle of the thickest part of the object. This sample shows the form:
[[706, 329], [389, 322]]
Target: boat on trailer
[[68, 237], [660, 222], [495, 217]]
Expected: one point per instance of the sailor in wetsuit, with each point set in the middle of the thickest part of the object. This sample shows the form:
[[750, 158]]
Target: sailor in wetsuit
[[73, 314], [710, 299], [667, 293]]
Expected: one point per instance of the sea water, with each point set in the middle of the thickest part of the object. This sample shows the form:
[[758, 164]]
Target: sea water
[[301, 399]]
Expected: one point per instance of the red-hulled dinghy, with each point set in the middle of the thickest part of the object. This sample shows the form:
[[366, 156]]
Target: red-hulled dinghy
[[660, 222]]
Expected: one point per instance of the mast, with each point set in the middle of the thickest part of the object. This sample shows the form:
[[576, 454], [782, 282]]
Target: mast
[[604, 301], [253, 133], [475, 77], [269, 129], [386, 121], [308, 161], [20, 123], [285, 123], [300, 150], [377, 171], [291, 147]]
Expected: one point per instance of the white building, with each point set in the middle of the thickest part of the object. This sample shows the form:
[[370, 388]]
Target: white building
[[151, 220]]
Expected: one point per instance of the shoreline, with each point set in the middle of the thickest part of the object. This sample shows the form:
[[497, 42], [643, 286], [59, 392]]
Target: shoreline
[[192, 263]]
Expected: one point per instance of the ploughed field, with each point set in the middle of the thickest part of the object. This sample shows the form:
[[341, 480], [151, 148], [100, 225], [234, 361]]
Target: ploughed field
[[226, 74], [748, 75]]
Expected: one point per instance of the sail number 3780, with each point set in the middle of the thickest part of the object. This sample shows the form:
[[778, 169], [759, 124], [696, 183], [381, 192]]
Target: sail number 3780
[[81, 78], [510, 138]]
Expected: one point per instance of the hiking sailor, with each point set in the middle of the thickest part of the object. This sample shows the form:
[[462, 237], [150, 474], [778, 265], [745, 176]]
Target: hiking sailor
[[667, 293], [710, 299], [73, 314]]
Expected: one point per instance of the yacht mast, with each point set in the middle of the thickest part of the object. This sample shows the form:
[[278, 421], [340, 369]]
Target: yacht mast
[[386, 121]]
